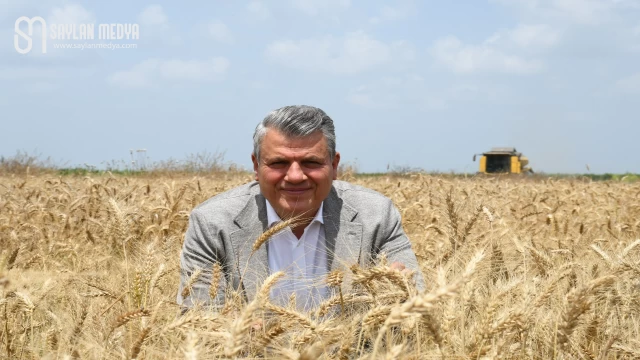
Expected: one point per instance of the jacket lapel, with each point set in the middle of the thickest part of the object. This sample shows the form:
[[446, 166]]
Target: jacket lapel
[[253, 267], [343, 236]]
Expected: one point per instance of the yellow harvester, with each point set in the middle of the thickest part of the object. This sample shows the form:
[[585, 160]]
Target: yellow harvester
[[503, 160]]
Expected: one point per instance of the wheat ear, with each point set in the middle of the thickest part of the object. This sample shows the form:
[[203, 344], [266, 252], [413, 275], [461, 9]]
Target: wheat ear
[[235, 338]]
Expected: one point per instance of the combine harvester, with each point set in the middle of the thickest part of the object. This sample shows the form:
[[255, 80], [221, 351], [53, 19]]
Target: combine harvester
[[503, 160]]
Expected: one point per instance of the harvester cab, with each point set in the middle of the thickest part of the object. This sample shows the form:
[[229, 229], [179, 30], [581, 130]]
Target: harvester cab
[[503, 160]]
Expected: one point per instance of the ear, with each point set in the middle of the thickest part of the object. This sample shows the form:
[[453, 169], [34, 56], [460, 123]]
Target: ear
[[255, 165], [334, 165]]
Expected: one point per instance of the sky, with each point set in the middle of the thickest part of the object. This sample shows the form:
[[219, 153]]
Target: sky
[[413, 84]]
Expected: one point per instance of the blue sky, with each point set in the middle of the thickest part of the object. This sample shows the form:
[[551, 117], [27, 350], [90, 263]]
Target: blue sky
[[408, 83]]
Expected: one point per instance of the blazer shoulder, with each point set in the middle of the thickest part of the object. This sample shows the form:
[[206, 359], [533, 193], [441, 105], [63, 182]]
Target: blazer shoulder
[[228, 203], [359, 196]]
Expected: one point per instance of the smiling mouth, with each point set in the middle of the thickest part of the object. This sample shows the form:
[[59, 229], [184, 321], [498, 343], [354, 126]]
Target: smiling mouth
[[295, 191]]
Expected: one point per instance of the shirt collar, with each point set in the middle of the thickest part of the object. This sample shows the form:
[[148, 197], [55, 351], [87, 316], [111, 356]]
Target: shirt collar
[[272, 216]]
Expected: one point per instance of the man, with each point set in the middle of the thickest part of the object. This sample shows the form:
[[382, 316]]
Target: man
[[336, 225]]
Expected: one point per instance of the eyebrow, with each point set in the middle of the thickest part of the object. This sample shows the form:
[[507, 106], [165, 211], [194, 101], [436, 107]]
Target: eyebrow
[[279, 158]]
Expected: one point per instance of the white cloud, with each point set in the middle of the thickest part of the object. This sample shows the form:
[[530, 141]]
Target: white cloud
[[388, 13], [42, 79], [36, 73], [539, 36], [138, 77], [315, 7], [354, 53], [630, 84], [220, 32], [156, 28], [152, 15], [403, 51], [593, 25], [411, 90], [583, 11], [507, 51], [11, 9], [576, 11], [71, 14], [464, 58], [195, 70], [259, 10], [150, 71]]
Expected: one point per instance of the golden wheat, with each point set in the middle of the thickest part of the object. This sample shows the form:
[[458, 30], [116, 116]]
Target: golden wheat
[[84, 259]]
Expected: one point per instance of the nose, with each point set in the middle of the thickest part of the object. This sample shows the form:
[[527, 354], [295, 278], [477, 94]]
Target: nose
[[295, 174]]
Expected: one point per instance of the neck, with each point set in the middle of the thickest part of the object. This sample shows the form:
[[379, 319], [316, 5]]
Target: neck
[[299, 229], [301, 220]]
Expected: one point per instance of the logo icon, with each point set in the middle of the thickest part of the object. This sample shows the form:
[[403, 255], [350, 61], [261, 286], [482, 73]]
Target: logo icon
[[30, 22]]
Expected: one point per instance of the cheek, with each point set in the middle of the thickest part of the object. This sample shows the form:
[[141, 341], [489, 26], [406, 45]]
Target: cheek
[[321, 177], [270, 176]]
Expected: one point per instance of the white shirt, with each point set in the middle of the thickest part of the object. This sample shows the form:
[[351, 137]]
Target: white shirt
[[303, 260]]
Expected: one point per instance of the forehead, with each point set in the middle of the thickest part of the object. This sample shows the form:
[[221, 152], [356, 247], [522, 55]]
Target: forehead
[[276, 143]]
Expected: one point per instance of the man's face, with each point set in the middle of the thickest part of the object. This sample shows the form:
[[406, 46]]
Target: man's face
[[295, 173]]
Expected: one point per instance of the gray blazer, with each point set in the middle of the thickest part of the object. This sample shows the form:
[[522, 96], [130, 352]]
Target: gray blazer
[[359, 224]]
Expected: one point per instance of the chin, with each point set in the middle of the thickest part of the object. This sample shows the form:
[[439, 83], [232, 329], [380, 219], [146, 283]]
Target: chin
[[293, 208]]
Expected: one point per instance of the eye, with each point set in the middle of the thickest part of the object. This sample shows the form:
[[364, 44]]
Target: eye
[[280, 163], [312, 163]]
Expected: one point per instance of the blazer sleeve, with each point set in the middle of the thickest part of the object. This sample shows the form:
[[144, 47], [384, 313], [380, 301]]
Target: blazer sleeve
[[203, 247], [396, 245]]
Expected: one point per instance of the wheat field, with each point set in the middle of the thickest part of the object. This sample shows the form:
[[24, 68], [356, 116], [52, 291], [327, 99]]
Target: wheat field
[[515, 269]]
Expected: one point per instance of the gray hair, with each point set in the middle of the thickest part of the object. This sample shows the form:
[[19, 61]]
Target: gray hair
[[296, 121]]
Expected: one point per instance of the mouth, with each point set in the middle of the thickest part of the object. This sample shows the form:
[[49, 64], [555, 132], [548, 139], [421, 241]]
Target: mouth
[[295, 191]]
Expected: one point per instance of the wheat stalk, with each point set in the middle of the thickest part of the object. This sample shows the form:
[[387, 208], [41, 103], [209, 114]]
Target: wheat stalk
[[240, 326]]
